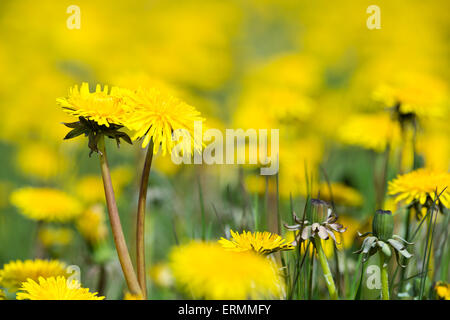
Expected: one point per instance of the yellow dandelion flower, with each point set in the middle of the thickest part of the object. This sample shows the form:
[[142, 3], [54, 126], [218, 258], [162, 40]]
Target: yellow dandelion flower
[[161, 275], [50, 236], [101, 106], [259, 242], [419, 184], [55, 288], [91, 224], [39, 161], [442, 290], [371, 131], [2, 295], [45, 204], [130, 296], [16, 272], [158, 115], [206, 270]]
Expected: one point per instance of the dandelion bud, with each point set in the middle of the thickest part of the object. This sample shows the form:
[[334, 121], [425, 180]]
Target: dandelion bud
[[383, 225]]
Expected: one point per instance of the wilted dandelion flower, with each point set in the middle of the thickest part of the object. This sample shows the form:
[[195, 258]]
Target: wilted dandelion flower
[[102, 106], [91, 224], [418, 185], [55, 288], [16, 272], [158, 115], [259, 242], [46, 204], [50, 236], [208, 271], [370, 131], [322, 224]]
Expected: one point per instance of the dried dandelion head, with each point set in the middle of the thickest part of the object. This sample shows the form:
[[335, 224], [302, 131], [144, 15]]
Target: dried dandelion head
[[323, 223]]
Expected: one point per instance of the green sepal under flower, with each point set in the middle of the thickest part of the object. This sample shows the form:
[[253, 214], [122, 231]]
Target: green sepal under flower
[[94, 132], [382, 239]]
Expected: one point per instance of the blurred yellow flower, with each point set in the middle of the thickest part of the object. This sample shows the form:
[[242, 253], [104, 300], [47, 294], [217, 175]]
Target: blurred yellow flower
[[299, 160], [342, 194], [16, 272], [421, 94], [39, 161], [50, 236], [89, 189], [158, 115], [91, 224], [328, 246], [121, 176], [130, 296], [418, 185], [101, 106], [206, 270], [370, 131], [2, 295], [435, 148], [347, 238], [442, 290], [46, 204], [55, 288], [161, 275], [257, 183], [259, 242]]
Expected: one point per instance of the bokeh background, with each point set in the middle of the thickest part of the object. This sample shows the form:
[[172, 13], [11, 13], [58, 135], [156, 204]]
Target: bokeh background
[[309, 68]]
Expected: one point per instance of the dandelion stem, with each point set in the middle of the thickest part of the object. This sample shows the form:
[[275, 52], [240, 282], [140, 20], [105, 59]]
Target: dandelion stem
[[406, 237], [140, 222], [384, 278], [114, 219], [326, 270]]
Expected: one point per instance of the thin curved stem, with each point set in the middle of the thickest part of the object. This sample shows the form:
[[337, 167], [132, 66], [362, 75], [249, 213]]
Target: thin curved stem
[[116, 227], [326, 270], [140, 221], [384, 278]]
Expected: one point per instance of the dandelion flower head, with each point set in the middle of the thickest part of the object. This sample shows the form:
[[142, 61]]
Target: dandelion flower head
[[16, 272], [103, 106], [46, 204], [158, 115], [259, 242], [55, 288], [206, 270], [419, 184]]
